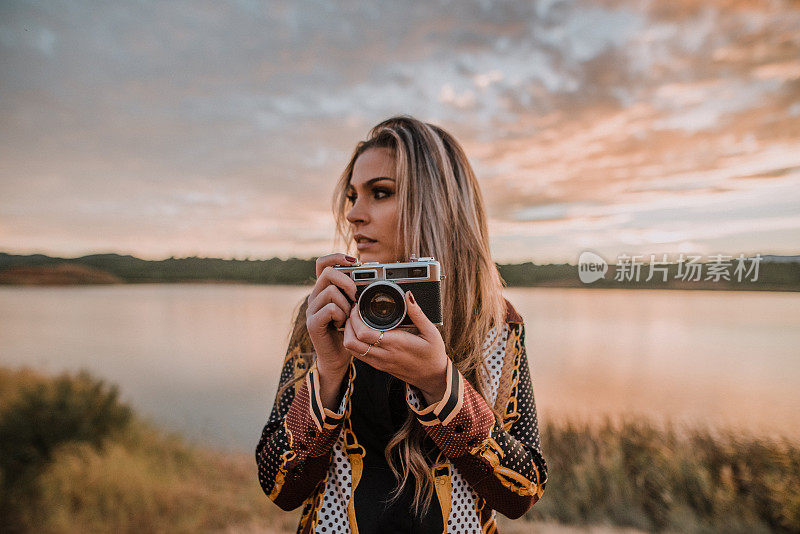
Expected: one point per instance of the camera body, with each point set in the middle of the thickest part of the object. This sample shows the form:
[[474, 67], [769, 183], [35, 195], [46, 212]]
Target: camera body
[[381, 287]]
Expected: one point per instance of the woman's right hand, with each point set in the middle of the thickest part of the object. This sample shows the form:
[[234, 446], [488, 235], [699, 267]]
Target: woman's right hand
[[328, 309]]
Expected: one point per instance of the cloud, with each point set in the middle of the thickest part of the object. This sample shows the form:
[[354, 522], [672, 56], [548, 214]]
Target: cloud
[[222, 127]]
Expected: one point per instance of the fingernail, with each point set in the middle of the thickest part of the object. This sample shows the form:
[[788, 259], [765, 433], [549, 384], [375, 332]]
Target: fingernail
[[350, 259], [411, 297]]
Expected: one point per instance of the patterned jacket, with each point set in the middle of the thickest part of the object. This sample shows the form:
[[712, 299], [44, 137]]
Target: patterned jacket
[[312, 456]]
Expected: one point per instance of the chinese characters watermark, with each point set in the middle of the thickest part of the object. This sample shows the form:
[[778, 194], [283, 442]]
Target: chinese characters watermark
[[592, 267]]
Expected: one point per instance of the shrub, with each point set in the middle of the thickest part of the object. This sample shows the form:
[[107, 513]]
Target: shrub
[[43, 415]]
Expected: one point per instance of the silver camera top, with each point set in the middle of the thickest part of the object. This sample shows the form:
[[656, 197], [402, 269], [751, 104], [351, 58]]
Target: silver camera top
[[422, 270]]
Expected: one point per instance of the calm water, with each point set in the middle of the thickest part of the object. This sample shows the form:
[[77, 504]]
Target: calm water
[[204, 359]]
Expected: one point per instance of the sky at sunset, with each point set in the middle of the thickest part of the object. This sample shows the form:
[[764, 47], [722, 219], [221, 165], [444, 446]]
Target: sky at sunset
[[219, 128]]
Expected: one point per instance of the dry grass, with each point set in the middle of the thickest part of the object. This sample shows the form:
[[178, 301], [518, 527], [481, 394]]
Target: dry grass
[[629, 476], [635, 473]]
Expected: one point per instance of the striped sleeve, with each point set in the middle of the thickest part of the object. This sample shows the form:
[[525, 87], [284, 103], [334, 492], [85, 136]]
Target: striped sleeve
[[443, 411], [323, 417], [501, 460]]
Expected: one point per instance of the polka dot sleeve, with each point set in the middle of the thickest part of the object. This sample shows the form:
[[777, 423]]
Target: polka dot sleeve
[[507, 468], [296, 444], [501, 460]]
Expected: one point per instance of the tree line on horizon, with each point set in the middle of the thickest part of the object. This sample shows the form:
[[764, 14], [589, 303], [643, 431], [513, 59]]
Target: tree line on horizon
[[781, 276]]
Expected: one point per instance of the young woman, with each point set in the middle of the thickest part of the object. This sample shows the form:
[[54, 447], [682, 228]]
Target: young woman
[[399, 431]]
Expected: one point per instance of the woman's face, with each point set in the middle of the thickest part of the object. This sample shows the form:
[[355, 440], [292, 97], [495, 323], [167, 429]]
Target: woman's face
[[373, 214]]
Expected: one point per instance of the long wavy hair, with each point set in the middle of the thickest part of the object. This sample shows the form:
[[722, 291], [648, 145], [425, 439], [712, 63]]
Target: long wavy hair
[[441, 214]]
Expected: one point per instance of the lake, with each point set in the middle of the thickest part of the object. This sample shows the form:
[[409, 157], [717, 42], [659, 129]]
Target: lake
[[203, 359]]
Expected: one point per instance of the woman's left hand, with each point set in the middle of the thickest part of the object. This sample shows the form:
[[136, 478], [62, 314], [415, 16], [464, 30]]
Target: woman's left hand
[[419, 360]]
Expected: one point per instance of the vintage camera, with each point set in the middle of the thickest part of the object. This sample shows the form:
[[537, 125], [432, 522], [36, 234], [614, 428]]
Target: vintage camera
[[380, 290]]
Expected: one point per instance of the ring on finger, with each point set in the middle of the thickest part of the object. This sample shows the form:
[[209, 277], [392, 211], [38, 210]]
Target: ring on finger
[[368, 349], [380, 339]]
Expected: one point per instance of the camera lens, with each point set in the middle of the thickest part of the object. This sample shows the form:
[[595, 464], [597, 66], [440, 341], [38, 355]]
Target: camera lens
[[382, 306]]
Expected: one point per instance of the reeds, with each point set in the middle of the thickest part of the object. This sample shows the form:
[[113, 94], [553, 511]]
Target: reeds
[[658, 477]]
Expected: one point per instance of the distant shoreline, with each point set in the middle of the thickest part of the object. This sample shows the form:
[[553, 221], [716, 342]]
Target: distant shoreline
[[104, 269]]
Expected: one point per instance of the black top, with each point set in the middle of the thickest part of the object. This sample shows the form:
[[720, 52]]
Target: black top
[[378, 411]]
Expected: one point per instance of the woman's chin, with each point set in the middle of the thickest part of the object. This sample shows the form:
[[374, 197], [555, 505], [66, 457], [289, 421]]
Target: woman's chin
[[368, 258]]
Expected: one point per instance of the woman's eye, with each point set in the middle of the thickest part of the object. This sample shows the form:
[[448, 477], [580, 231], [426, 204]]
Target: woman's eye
[[382, 193], [351, 199]]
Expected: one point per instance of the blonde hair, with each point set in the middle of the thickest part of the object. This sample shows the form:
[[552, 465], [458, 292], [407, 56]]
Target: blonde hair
[[441, 215]]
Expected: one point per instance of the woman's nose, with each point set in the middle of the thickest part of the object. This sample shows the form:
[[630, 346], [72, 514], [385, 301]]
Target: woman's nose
[[357, 213]]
